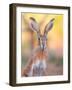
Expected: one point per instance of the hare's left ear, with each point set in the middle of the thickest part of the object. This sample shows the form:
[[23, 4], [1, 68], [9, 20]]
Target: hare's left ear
[[49, 26], [34, 26]]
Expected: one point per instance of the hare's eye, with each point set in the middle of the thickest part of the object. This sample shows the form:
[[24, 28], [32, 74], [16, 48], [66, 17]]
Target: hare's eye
[[38, 38]]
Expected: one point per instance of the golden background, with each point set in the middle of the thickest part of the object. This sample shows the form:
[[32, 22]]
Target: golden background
[[55, 37]]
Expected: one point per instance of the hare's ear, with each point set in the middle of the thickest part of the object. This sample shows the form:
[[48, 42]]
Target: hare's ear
[[33, 24], [49, 26]]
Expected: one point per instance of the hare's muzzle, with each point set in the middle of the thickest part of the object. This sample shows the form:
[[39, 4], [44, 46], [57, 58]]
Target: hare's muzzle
[[42, 41]]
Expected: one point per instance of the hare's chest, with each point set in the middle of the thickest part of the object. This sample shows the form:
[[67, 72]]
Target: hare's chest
[[40, 64], [39, 68]]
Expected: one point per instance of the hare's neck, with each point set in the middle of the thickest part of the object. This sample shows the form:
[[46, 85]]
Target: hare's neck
[[41, 49]]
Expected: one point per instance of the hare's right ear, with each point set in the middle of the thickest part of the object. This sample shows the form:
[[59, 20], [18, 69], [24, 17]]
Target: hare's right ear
[[49, 26], [33, 24]]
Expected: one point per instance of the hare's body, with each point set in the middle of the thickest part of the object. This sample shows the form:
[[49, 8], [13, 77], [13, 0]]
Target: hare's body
[[37, 64], [38, 60]]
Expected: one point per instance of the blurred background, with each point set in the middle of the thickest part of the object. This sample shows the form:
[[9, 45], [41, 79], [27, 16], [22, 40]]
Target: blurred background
[[54, 42]]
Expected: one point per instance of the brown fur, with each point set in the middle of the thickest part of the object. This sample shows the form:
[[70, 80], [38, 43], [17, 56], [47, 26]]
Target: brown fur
[[41, 55]]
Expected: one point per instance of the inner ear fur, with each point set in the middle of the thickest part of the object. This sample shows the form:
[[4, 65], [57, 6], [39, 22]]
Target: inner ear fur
[[34, 26], [49, 26]]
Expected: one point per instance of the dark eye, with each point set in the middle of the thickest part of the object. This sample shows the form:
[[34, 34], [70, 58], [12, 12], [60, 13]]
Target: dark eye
[[38, 38]]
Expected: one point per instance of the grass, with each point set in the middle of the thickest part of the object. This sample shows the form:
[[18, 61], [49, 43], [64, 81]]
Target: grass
[[55, 60]]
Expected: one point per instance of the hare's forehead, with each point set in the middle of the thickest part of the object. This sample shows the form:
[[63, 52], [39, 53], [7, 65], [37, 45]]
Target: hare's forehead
[[42, 36]]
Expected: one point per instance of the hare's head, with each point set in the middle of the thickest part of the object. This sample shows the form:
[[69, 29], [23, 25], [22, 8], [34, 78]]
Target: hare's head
[[42, 39]]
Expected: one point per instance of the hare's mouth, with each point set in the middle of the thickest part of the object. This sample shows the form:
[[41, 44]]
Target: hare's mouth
[[42, 47]]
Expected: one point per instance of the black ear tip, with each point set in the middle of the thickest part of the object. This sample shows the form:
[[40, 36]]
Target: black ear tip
[[32, 18], [52, 19]]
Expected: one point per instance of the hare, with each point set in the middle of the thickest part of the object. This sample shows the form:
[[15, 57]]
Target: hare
[[36, 66]]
